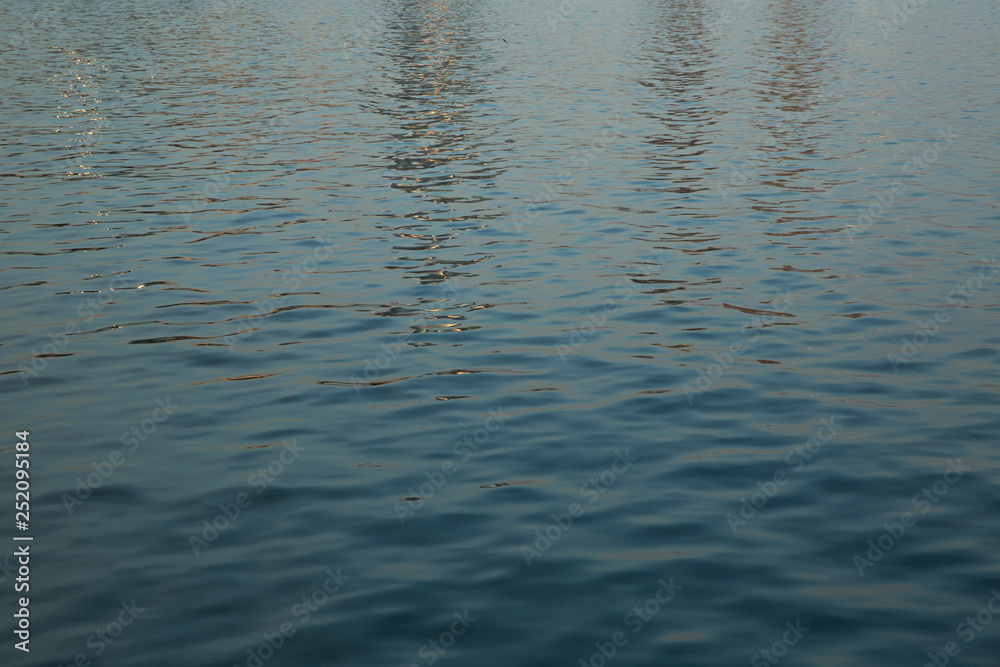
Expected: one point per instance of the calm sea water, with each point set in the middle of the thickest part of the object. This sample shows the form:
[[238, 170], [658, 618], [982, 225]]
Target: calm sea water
[[503, 332]]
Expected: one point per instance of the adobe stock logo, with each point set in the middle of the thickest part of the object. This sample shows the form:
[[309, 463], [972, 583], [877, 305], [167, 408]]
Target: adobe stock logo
[[230, 512], [635, 620], [436, 648], [796, 458], [894, 532], [967, 630], [592, 490], [104, 469], [779, 649]]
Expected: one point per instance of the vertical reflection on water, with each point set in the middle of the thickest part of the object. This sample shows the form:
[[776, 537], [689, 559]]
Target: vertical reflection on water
[[437, 150], [790, 76], [683, 97], [78, 117], [679, 61]]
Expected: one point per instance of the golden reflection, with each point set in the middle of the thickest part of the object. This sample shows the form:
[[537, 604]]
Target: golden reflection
[[434, 93]]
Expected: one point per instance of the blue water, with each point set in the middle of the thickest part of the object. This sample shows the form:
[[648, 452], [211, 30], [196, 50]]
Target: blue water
[[501, 332]]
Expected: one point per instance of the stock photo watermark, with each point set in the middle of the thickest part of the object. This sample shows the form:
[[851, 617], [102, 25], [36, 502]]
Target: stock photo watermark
[[755, 160], [894, 532], [591, 490], [45, 17], [726, 16], [375, 367], [466, 447], [551, 190], [131, 438], [625, 288], [295, 276], [212, 187], [778, 650], [103, 638], [566, 9], [635, 620], [968, 630], [363, 36], [752, 165], [930, 327], [229, 512], [436, 648], [890, 195], [779, 307], [901, 13], [796, 458], [60, 340], [302, 611]]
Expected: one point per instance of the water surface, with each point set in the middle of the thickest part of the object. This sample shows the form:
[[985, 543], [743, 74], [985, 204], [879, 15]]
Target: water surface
[[508, 310]]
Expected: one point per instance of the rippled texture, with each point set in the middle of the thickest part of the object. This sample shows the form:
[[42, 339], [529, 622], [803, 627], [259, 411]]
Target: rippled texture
[[489, 265]]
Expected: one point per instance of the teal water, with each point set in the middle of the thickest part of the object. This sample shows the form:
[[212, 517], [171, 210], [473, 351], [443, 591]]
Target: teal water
[[503, 332]]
